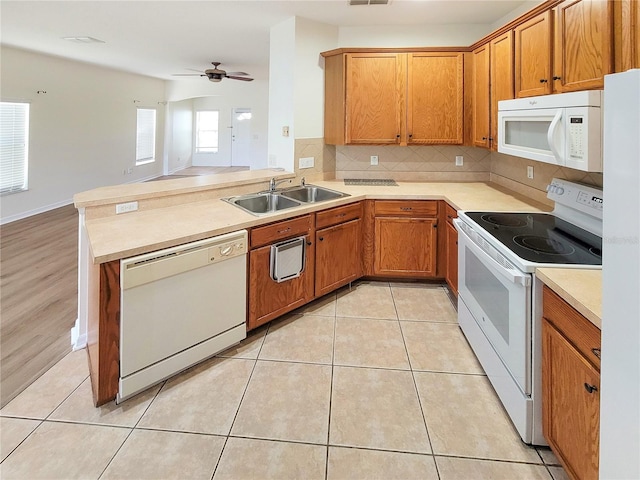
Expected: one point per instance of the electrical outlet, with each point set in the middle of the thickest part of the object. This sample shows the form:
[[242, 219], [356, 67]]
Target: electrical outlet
[[130, 170], [285, 131], [459, 160], [273, 160], [529, 171], [126, 207], [306, 162], [374, 159]]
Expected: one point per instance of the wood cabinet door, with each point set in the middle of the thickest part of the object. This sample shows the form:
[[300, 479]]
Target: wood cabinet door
[[269, 299], [533, 56], [375, 97], [583, 44], [435, 98], [338, 256], [405, 247], [480, 95], [570, 404], [452, 258], [501, 78]]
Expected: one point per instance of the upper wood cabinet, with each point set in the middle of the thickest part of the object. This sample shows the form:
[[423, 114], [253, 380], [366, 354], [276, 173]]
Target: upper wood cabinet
[[492, 82], [501, 78], [374, 97], [435, 98], [566, 49], [481, 97], [583, 43], [626, 34], [533, 56], [393, 98]]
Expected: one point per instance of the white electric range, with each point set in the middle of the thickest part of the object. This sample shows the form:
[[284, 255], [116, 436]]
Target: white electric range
[[500, 299]]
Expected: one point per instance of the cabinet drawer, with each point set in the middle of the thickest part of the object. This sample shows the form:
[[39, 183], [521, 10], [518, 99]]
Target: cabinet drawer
[[583, 334], [450, 213], [333, 216], [280, 231], [406, 208]]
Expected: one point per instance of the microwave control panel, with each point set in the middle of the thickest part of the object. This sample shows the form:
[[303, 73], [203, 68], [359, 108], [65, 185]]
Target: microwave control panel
[[576, 136]]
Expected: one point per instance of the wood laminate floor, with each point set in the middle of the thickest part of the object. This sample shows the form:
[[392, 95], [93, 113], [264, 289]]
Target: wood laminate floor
[[38, 296]]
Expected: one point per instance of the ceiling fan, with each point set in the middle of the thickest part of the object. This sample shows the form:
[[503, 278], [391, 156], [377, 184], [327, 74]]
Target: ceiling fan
[[216, 74]]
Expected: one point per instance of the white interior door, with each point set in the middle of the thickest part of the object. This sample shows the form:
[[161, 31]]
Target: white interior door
[[241, 137]]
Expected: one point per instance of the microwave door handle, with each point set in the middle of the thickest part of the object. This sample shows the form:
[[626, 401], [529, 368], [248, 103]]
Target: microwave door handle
[[522, 279], [551, 136]]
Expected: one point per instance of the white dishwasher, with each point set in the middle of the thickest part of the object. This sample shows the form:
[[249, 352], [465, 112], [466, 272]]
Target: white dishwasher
[[180, 306]]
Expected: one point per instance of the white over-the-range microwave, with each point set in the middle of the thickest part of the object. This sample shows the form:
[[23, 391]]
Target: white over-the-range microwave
[[563, 129]]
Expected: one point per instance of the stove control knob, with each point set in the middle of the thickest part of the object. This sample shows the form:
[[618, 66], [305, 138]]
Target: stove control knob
[[559, 190]]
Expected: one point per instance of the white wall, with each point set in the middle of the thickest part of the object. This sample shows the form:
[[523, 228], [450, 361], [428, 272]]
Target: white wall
[[311, 39], [179, 135], [412, 35], [281, 94], [82, 131]]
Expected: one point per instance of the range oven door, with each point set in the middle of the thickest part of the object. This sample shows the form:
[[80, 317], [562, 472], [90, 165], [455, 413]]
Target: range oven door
[[498, 295]]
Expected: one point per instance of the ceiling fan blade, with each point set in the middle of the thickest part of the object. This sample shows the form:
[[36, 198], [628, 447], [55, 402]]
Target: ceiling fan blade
[[188, 75], [237, 73], [194, 70], [245, 79]]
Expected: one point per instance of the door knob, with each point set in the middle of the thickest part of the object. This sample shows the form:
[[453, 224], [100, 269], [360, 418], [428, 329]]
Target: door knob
[[590, 388]]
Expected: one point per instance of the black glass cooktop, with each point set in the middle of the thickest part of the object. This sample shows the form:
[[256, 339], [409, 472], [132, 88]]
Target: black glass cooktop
[[541, 237]]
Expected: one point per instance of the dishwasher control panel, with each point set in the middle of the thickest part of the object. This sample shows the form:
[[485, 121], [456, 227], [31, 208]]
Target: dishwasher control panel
[[223, 251]]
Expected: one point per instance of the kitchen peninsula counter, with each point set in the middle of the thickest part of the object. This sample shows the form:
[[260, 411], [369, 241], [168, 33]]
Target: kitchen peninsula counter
[[176, 219], [580, 288]]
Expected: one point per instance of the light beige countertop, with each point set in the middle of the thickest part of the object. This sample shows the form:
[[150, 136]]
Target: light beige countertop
[[134, 233], [580, 288]]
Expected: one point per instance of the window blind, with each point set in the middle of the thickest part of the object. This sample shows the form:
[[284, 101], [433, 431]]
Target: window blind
[[146, 135], [14, 146]]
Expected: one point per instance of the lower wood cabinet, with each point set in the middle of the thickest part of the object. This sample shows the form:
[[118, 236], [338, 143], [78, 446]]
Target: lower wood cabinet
[[338, 248], [269, 299], [451, 273], [405, 238], [571, 387]]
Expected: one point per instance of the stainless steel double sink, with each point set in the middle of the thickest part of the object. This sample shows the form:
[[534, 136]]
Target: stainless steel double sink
[[262, 203]]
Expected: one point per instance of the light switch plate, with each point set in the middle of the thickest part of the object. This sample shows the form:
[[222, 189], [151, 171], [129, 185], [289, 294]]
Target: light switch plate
[[126, 207], [459, 160], [529, 171], [374, 159], [306, 162]]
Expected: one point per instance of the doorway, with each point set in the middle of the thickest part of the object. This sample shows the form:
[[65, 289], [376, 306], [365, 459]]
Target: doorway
[[240, 137]]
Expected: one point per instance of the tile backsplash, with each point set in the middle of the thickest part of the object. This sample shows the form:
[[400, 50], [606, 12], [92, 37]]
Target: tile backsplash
[[511, 172], [432, 164], [417, 163], [324, 156]]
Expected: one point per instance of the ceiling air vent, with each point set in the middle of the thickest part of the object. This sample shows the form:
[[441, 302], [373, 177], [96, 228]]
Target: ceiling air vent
[[368, 2]]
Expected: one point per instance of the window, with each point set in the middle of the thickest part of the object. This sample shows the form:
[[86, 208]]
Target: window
[[146, 136], [207, 131], [14, 146]]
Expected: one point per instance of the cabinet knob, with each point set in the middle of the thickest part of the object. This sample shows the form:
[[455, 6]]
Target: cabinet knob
[[590, 388], [484, 138], [406, 209], [398, 136], [556, 77], [410, 135], [543, 80], [309, 243], [596, 352], [321, 239]]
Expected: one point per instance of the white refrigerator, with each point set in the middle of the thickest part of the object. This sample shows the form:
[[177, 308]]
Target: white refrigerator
[[620, 367]]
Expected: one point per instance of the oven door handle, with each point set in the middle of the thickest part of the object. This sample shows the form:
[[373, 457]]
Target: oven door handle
[[522, 279]]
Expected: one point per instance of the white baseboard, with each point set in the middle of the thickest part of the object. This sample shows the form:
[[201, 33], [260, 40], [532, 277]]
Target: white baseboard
[[78, 342], [35, 211]]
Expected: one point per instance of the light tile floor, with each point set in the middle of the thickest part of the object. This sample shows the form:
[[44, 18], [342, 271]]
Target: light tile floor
[[376, 381]]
